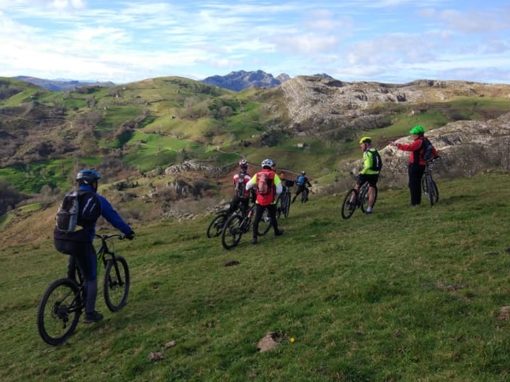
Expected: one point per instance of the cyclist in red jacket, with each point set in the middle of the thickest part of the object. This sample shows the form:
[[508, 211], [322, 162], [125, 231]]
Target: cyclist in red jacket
[[268, 186], [417, 162]]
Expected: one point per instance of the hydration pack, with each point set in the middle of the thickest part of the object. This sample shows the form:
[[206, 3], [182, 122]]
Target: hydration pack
[[265, 181], [376, 160], [428, 150], [241, 185], [77, 208], [301, 180]]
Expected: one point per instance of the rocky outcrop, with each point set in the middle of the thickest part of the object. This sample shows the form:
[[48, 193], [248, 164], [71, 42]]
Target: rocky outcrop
[[320, 100], [466, 148], [192, 166]]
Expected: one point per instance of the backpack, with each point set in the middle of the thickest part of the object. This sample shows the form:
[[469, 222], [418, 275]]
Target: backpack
[[376, 160], [77, 208], [428, 150], [301, 180], [241, 185], [265, 181]]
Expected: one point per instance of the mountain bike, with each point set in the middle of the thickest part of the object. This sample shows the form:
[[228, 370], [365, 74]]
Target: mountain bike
[[354, 200], [283, 202], [237, 225], [428, 184], [216, 226], [64, 300]]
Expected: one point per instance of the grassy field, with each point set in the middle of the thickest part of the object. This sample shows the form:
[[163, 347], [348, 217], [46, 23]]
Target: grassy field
[[402, 295]]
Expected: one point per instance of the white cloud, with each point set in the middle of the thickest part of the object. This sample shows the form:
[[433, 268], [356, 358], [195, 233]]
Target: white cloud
[[305, 44]]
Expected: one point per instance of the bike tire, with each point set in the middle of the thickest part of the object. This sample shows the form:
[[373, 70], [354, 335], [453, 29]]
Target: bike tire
[[433, 192], [348, 208], [59, 311], [116, 283], [216, 226], [286, 206], [264, 223], [429, 188], [232, 232], [364, 199]]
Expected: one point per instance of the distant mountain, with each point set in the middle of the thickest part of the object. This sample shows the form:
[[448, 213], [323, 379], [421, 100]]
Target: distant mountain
[[58, 85], [241, 80]]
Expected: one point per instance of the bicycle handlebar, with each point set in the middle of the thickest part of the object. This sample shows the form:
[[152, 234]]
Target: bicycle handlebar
[[107, 237]]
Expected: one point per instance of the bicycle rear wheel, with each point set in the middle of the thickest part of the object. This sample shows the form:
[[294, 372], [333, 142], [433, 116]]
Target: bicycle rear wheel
[[349, 207], [116, 283], [364, 199], [216, 226], [232, 232], [59, 311], [264, 223], [286, 205]]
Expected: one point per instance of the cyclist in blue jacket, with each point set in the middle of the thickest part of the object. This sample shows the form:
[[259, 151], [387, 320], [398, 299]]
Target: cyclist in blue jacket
[[84, 254]]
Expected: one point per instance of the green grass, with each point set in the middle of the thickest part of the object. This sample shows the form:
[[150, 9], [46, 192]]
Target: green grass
[[30, 178], [402, 295]]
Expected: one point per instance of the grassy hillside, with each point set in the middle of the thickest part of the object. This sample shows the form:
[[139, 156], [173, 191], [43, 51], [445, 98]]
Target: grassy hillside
[[152, 124], [402, 295]]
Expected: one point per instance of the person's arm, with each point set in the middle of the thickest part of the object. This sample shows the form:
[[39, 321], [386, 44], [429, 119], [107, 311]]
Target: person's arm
[[307, 182], [278, 184], [252, 182], [415, 145], [113, 217]]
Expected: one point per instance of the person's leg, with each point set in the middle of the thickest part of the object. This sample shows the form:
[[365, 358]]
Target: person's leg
[[419, 174], [71, 268], [271, 209], [258, 215], [87, 261], [414, 184], [233, 205], [298, 191]]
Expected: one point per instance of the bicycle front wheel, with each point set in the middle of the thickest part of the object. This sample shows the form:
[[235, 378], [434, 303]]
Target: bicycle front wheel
[[59, 311], [116, 283], [216, 226], [429, 188], [349, 204], [232, 232]]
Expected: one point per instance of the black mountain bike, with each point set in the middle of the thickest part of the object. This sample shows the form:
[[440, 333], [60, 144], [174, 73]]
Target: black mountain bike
[[428, 184], [237, 225], [217, 223], [64, 300], [354, 200], [283, 202]]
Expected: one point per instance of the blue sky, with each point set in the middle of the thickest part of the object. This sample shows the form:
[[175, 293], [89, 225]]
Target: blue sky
[[394, 41]]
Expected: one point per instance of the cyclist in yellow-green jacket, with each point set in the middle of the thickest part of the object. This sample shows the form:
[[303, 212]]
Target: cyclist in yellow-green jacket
[[372, 165]]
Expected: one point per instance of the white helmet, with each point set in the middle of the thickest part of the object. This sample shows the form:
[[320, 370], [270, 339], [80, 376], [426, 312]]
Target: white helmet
[[267, 163]]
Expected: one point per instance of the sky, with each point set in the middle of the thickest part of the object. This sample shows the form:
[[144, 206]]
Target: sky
[[393, 41]]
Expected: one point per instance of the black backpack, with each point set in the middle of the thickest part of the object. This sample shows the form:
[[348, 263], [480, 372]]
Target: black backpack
[[78, 208], [428, 150], [376, 160]]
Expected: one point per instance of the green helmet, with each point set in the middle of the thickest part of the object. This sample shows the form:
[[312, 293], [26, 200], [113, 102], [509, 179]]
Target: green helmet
[[417, 130]]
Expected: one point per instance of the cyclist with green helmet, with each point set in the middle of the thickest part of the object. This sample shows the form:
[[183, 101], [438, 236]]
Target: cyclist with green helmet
[[370, 173], [417, 162]]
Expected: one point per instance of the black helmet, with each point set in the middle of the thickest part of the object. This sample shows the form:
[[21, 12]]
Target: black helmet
[[87, 176]]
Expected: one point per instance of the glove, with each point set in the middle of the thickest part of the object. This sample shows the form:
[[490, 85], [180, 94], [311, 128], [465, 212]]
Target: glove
[[130, 236]]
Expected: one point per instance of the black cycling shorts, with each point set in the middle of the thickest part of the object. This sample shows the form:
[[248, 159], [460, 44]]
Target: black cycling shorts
[[370, 178]]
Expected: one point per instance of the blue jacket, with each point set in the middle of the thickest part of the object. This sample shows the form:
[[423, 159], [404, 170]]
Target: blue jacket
[[109, 213]]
